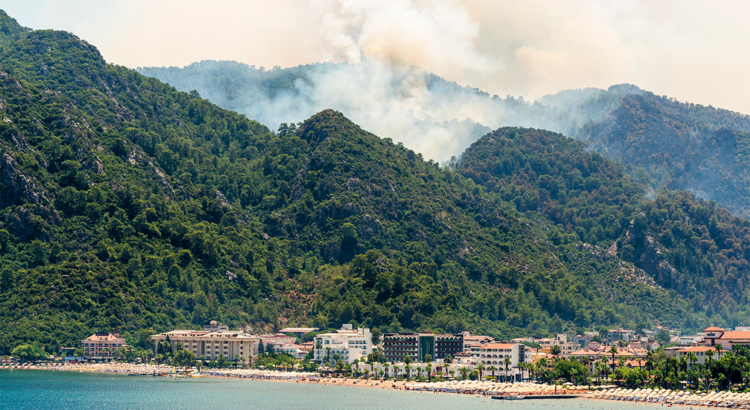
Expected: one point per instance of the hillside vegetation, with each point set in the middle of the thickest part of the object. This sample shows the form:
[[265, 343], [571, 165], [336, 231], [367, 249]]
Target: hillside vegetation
[[665, 144], [686, 244], [126, 203]]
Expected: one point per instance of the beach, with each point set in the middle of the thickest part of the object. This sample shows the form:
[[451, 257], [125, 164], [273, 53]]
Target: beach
[[484, 389]]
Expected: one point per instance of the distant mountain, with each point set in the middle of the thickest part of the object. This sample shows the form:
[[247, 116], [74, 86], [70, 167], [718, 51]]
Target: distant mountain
[[126, 203], [665, 143]]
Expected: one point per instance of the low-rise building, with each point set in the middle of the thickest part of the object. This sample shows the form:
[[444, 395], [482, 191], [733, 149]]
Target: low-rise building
[[615, 335], [276, 339], [347, 344], [701, 353], [474, 340], [466, 357], [102, 345], [396, 346], [581, 340], [211, 343], [728, 339], [596, 351], [291, 349], [307, 346]]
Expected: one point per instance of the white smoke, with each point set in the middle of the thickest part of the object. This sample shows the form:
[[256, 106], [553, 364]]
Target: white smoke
[[390, 47], [381, 59]]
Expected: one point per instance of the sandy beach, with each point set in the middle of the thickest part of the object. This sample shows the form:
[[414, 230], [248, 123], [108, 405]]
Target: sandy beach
[[654, 397]]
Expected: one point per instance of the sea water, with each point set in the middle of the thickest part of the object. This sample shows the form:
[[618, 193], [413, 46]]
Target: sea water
[[41, 389]]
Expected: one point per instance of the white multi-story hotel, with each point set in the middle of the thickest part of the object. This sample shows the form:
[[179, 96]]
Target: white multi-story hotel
[[213, 341], [347, 343], [494, 354]]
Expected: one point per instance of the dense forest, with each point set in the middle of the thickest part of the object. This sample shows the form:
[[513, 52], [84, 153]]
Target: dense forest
[[684, 243], [127, 203], [665, 144]]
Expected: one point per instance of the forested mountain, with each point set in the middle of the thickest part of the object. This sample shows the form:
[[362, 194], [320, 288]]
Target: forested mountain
[[678, 146], [686, 244], [665, 143], [126, 203]]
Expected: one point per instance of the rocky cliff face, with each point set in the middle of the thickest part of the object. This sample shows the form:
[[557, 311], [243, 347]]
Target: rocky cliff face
[[649, 257]]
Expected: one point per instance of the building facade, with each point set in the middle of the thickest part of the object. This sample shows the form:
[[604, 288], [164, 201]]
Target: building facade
[[291, 349], [494, 354], [346, 344], [615, 335], [277, 339], [102, 345], [396, 346], [474, 340], [231, 344], [701, 354], [728, 339]]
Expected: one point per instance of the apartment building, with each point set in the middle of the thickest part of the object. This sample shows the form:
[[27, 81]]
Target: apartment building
[[494, 354], [347, 344], [396, 346], [212, 342], [474, 340], [102, 345]]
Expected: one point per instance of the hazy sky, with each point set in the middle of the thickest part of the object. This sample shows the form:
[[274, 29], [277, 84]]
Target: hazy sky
[[692, 50]]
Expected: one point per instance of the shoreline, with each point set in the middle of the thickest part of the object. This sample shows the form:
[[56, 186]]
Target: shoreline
[[447, 388]]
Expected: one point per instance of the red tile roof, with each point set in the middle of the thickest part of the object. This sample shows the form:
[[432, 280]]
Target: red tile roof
[[735, 335]]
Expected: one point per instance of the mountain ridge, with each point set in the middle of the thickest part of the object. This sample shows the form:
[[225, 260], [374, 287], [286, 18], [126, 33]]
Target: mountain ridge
[[659, 138], [141, 207]]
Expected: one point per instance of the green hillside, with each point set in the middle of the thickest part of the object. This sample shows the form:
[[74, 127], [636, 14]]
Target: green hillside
[[687, 245], [679, 146], [127, 203], [665, 143]]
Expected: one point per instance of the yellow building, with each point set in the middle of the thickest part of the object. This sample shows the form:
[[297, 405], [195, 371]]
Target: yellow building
[[232, 344]]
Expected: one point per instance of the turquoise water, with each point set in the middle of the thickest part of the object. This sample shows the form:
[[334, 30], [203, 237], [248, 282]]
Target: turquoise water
[[39, 389]]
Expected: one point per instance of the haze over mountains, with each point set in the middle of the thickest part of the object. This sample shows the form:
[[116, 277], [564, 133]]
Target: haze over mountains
[[666, 143], [127, 203]]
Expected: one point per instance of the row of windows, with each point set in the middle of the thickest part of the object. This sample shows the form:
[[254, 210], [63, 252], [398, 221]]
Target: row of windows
[[102, 344]]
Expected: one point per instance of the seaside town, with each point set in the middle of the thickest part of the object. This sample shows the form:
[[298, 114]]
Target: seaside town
[[650, 365]]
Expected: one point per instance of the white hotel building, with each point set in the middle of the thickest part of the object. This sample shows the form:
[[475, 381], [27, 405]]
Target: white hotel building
[[348, 343]]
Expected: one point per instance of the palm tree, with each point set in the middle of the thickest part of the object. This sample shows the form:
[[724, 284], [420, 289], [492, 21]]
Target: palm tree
[[429, 371], [464, 372], [367, 372], [480, 368], [492, 369], [613, 350], [407, 368], [339, 366], [598, 367], [387, 365], [419, 371], [506, 362]]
